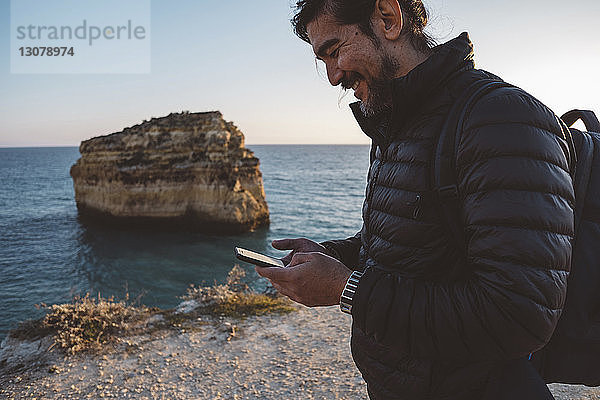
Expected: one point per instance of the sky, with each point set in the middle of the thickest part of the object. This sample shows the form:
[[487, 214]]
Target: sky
[[241, 58]]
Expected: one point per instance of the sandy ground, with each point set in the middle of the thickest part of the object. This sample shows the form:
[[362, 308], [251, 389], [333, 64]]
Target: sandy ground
[[302, 355]]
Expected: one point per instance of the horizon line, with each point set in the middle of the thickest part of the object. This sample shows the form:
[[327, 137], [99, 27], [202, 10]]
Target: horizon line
[[246, 145]]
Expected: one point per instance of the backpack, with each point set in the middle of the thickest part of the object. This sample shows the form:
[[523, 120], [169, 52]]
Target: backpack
[[573, 353]]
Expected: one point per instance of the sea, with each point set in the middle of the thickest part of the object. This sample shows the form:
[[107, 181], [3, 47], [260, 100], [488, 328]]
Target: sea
[[48, 255]]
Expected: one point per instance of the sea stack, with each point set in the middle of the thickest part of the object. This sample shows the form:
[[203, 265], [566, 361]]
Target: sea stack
[[186, 169]]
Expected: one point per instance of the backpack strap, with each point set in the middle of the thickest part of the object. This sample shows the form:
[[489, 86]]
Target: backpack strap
[[588, 117], [584, 153], [444, 168], [584, 150]]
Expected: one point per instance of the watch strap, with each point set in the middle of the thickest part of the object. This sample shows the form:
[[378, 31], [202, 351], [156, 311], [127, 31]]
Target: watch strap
[[349, 291]]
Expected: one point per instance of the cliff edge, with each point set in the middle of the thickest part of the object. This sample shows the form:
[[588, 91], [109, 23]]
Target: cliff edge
[[186, 168]]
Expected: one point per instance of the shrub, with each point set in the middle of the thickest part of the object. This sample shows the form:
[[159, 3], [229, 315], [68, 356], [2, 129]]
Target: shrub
[[87, 322], [236, 299]]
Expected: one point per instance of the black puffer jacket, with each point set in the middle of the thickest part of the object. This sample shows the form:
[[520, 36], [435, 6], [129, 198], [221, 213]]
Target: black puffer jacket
[[430, 322]]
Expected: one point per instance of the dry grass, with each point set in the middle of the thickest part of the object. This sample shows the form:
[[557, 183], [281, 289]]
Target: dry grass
[[88, 323], [245, 304], [236, 299]]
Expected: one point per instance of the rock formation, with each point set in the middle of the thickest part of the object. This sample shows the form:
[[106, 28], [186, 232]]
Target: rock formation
[[185, 168]]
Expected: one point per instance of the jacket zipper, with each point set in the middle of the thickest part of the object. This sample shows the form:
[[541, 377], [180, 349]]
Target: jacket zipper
[[369, 200], [416, 204]]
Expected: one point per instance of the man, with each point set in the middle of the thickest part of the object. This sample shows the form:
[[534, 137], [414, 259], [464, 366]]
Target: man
[[432, 320]]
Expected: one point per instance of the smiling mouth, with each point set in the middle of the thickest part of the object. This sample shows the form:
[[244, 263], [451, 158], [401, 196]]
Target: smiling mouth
[[352, 81]]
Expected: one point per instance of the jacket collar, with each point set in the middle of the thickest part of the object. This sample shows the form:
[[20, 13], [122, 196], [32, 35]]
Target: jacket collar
[[411, 91]]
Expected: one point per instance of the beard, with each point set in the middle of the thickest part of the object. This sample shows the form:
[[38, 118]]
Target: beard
[[379, 93]]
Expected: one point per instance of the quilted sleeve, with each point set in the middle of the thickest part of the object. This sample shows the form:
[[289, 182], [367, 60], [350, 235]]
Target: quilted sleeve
[[346, 250]]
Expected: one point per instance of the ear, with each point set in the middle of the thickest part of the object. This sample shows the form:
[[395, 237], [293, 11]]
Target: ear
[[388, 18]]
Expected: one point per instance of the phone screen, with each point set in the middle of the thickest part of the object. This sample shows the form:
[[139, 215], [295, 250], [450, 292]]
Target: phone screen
[[257, 258]]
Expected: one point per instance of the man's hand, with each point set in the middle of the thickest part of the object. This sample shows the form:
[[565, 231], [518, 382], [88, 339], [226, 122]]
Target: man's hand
[[298, 246], [312, 279]]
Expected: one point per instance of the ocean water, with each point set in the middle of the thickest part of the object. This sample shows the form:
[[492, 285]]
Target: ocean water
[[47, 255]]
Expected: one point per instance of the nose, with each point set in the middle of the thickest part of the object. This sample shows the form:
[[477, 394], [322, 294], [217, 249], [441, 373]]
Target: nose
[[334, 74]]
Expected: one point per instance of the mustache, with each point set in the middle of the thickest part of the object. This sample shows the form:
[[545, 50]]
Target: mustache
[[349, 80]]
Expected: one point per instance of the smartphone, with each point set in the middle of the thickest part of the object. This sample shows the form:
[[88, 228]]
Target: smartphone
[[257, 258]]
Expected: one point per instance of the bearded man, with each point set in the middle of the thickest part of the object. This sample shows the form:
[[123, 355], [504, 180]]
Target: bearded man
[[432, 319]]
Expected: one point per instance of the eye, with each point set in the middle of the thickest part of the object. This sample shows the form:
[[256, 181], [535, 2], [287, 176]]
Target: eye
[[335, 53]]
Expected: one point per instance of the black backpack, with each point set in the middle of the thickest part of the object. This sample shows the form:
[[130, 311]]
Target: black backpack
[[573, 353]]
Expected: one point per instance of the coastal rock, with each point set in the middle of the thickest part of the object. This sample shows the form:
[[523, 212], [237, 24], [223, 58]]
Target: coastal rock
[[18, 354], [190, 169]]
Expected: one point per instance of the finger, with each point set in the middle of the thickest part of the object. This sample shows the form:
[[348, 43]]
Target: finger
[[279, 288], [282, 290], [286, 260], [273, 273], [301, 258], [287, 244]]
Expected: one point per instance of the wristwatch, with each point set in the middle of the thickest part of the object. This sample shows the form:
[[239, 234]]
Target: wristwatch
[[349, 291]]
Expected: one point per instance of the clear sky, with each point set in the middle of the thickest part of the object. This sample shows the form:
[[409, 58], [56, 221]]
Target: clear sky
[[241, 57]]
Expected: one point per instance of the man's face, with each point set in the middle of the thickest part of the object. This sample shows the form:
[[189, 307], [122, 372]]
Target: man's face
[[355, 61]]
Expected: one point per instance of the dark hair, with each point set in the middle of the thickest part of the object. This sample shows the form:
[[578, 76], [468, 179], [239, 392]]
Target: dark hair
[[359, 12]]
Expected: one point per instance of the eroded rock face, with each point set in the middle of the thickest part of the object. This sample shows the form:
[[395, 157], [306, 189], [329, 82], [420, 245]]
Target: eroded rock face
[[186, 168]]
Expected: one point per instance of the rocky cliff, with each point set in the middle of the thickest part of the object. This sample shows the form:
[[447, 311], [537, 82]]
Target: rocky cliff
[[186, 168]]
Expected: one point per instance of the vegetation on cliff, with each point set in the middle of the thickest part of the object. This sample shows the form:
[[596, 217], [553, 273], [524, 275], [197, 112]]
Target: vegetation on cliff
[[236, 299], [90, 323]]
